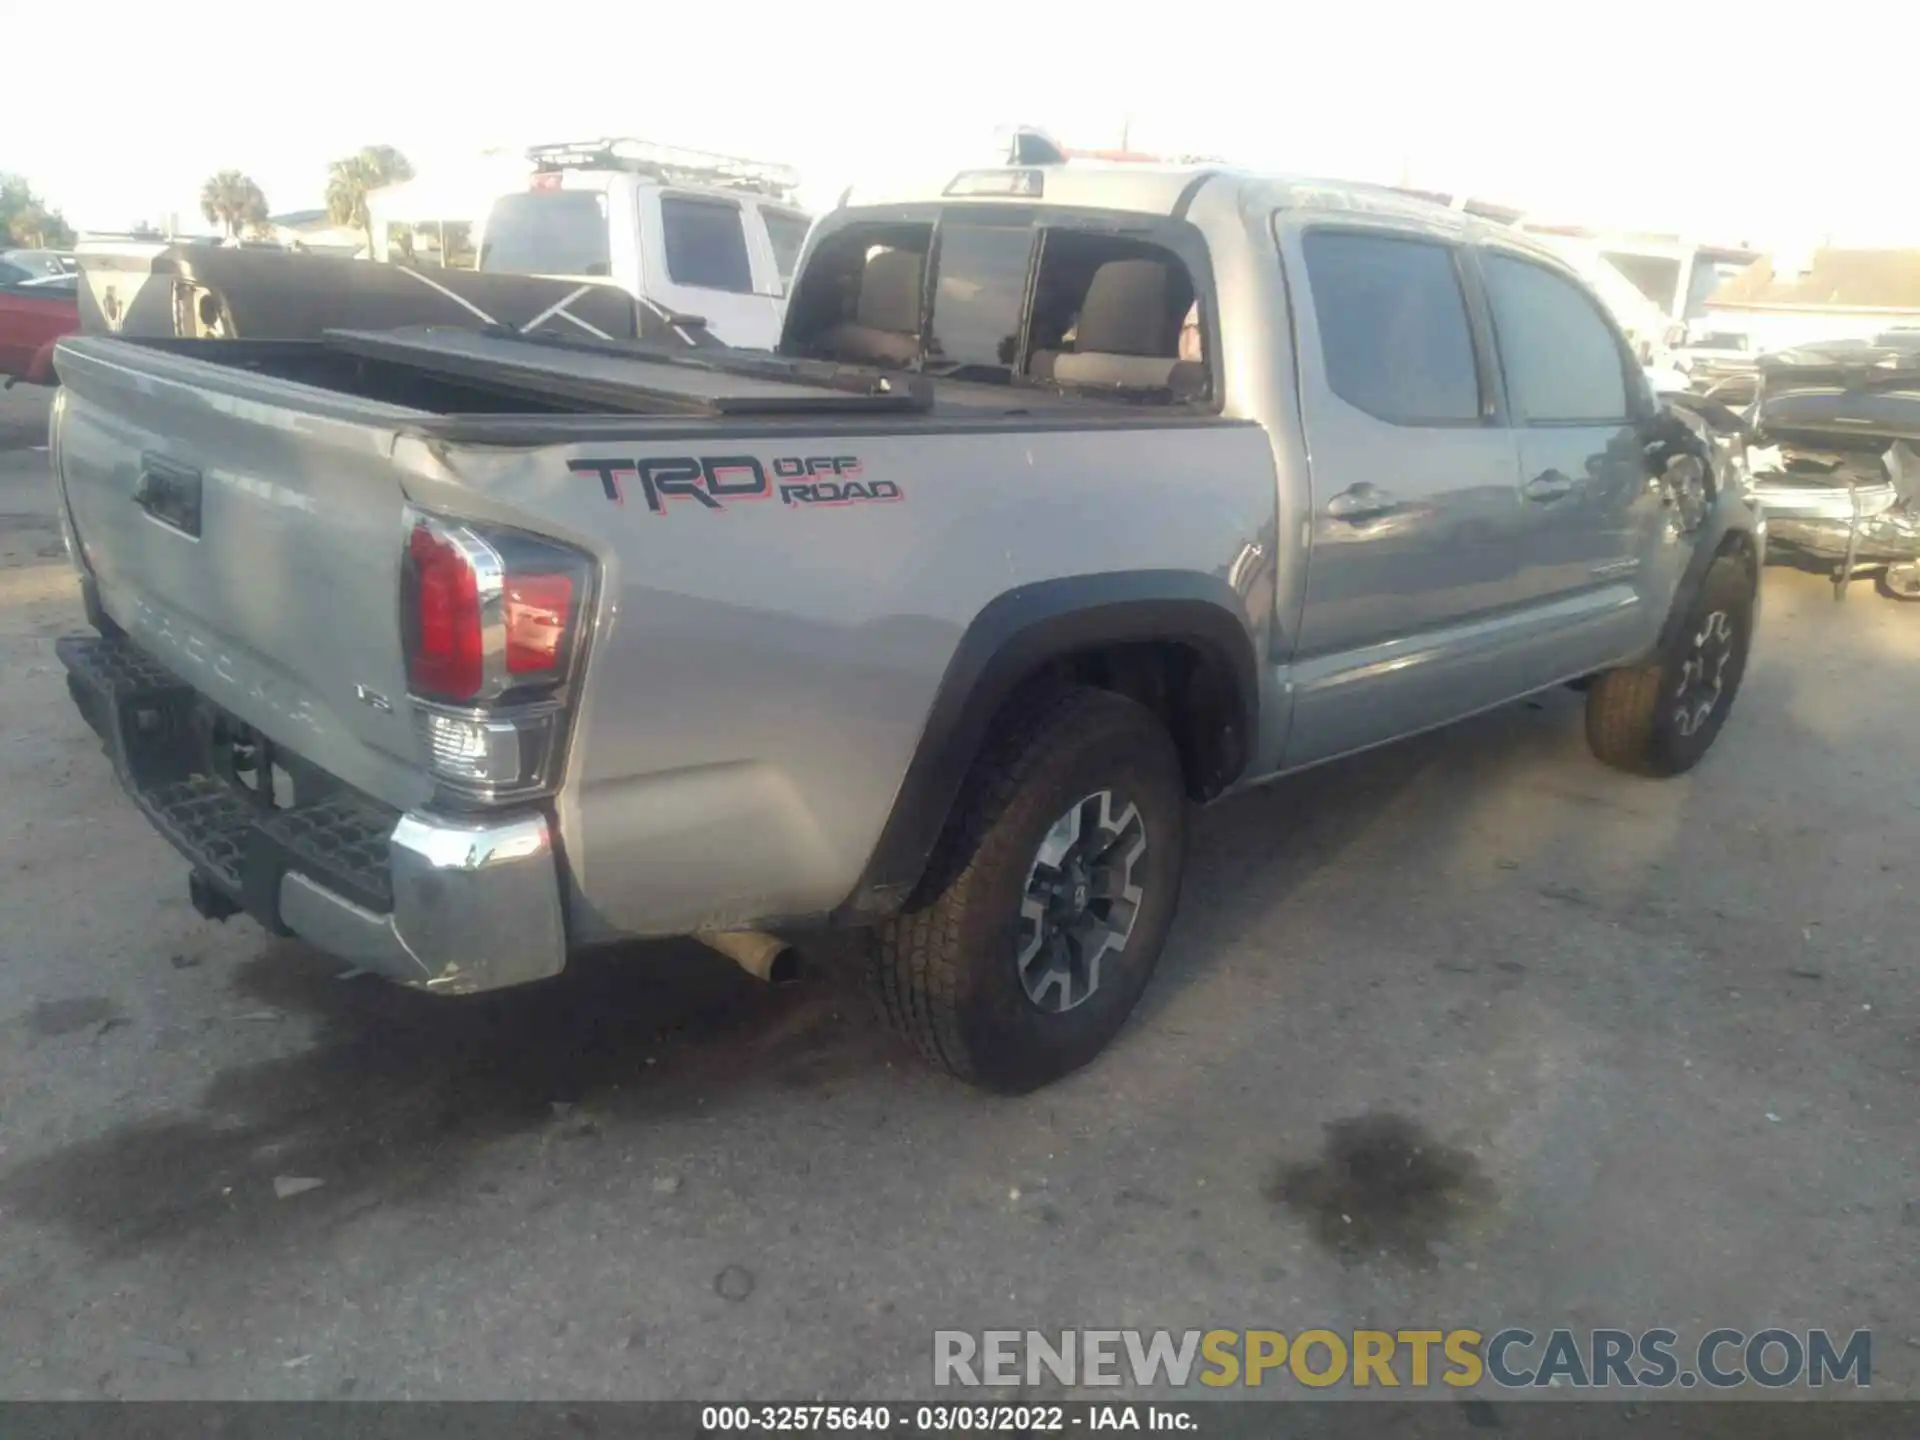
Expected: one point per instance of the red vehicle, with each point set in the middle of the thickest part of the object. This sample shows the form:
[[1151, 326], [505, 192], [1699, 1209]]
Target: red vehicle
[[34, 313]]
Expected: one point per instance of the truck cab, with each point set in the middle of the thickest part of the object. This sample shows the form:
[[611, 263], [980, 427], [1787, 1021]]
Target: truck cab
[[698, 234]]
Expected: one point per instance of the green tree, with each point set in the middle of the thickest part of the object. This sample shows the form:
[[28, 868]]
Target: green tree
[[349, 182], [27, 220], [232, 201]]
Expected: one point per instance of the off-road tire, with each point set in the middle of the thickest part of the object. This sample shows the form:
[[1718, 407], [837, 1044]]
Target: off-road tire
[[1632, 714], [945, 971]]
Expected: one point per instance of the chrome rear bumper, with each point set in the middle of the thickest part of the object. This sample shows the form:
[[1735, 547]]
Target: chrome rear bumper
[[453, 903], [475, 907]]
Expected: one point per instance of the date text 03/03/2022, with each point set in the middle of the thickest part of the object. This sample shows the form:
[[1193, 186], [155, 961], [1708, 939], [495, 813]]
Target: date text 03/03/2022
[[946, 1419]]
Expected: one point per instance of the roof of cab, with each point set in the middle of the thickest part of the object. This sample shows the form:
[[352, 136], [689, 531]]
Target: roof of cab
[[1167, 189]]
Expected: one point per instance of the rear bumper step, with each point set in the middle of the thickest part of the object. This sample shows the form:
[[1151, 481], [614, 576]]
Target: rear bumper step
[[450, 903]]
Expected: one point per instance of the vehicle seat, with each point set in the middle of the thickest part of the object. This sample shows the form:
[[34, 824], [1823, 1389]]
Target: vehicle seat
[[885, 329], [1128, 333]]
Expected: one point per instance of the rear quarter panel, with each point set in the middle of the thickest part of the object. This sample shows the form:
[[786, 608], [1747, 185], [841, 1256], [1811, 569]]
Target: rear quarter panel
[[760, 675]]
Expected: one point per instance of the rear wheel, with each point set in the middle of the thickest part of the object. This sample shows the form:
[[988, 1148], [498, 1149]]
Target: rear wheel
[[1049, 898], [1661, 719]]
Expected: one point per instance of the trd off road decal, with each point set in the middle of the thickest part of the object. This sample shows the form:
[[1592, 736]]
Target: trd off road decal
[[713, 482]]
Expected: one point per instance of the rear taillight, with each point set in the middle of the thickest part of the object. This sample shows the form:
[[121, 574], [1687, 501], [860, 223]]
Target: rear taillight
[[491, 620], [447, 659], [537, 608]]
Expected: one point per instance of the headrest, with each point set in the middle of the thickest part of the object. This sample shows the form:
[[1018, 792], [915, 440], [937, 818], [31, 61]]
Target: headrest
[[1130, 310], [890, 292]]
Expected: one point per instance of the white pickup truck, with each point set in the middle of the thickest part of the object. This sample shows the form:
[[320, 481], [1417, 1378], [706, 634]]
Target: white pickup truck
[[698, 234], [611, 240]]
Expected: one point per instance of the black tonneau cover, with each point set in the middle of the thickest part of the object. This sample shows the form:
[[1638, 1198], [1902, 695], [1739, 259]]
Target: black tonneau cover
[[641, 380], [1842, 390], [631, 378]]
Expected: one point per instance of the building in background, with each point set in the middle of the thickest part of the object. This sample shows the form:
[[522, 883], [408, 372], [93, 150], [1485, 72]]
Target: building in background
[[314, 230], [432, 218], [1830, 294]]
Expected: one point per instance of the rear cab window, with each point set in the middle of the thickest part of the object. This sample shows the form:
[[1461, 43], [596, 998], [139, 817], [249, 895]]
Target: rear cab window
[[548, 232], [1396, 339], [979, 298], [1006, 295]]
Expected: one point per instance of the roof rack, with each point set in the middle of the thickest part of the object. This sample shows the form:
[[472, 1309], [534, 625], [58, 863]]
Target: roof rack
[[671, 163]]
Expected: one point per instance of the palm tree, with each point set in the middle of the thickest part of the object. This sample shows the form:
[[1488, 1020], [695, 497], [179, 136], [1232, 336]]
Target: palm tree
[[231, 200], [32, 226], [25, 219], [350, 180]]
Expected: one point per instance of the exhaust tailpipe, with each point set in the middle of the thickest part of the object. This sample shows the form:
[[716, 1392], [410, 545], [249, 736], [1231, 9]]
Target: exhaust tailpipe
[[763, 956]]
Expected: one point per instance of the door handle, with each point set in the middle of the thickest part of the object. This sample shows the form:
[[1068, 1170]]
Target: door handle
[[1548, 485], [1359, 503]]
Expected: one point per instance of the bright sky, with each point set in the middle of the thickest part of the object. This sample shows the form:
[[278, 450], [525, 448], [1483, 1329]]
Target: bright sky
[[1716, 118]]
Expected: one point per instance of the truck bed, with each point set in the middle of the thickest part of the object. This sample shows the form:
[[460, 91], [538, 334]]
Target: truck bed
[[792, 564], [466, 383]]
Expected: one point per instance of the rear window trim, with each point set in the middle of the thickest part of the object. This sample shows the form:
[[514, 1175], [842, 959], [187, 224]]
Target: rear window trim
[[1009, 219]]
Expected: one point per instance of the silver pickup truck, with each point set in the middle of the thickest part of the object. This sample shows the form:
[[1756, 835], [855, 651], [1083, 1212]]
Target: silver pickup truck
[[1070, 499]]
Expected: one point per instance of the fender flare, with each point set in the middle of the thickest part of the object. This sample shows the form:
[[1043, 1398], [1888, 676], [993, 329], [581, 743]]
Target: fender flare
[[1011, 640], [1733, 535]]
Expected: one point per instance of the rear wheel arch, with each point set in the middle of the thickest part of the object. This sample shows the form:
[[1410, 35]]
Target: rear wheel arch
[[1175, 641], [1736, 541]]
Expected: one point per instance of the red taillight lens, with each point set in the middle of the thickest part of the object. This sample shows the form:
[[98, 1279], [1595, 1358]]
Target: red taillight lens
[[446, 659], [537, 609], [490, 617]]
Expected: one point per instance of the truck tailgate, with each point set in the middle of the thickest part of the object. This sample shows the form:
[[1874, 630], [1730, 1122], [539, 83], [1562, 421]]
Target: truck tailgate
[[247, 532]]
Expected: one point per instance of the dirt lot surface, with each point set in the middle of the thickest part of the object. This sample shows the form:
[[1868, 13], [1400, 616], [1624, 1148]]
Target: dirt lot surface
[[1469, 1031]]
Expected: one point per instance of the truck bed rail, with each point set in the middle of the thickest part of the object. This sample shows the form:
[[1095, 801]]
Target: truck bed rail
[[605, 376]]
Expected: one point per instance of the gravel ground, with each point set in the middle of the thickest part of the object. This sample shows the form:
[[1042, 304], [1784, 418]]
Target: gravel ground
[[1638, 1054]]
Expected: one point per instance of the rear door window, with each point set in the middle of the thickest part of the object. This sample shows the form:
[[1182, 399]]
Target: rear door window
[[706, 244], [1394, 333], [980, 292], [548, 232], [786, 232], [1562, 362]]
